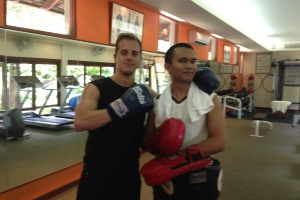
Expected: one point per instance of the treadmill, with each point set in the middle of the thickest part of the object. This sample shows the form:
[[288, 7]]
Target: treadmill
[[96, 77], [69, 83], [32, 118]]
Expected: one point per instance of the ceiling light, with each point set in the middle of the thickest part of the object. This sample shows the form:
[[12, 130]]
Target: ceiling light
[[215, 35], [171, 16], [243, 49]]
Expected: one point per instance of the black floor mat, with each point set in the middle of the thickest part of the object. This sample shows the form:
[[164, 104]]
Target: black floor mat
[[286, 118]]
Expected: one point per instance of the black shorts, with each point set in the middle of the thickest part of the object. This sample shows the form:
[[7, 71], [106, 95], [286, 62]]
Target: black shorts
[[98, 184], [204, 184]]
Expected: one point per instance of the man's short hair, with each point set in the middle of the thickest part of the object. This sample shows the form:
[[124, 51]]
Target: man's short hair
[[127, 36], [170, 53]]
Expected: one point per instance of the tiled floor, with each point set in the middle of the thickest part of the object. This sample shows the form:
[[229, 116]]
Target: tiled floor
[[257, 168]]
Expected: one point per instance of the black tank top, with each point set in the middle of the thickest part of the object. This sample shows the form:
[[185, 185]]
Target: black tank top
[[116, 144]]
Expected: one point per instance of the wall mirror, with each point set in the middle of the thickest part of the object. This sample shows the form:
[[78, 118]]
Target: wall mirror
[[46, 150]]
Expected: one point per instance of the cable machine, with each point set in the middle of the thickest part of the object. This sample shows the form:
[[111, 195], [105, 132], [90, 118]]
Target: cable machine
[[147, 64]]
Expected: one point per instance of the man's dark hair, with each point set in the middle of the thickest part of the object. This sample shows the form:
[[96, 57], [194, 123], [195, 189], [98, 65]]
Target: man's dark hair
[[127, 36], [170, 53]]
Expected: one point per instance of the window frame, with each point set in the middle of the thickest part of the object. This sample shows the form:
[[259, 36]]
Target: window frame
[[34, 62], [86, 64], [71, 35]]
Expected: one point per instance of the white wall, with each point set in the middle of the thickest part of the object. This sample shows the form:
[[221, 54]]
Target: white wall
[[61, 49], [51, 49]]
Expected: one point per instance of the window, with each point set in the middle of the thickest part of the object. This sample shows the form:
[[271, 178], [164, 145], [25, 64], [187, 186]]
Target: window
[[142, 76], [31, 98], [48, 15], [85, 71]]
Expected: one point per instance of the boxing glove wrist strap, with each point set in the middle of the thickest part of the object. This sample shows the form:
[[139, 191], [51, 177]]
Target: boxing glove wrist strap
[[194, 152], [117, 109]]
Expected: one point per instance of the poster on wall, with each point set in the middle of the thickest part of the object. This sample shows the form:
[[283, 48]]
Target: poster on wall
[[125, 20], [166, 35], [225, 68], [215, 66], [263, 63], [227, 50]]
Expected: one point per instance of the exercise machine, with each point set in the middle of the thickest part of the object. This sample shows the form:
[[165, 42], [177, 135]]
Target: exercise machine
[[96, 77], [237, 101], [32, 118], [74, 100], [69, 83], [13, 126]]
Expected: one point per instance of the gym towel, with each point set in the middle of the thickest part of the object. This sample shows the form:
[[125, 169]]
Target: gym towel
[[199, 103]]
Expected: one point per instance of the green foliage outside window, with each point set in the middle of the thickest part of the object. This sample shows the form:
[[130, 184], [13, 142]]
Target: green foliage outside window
[[30, 17]]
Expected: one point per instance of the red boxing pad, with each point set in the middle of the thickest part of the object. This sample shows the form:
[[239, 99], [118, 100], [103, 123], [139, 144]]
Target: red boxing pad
[[167, 139], [161, 169]]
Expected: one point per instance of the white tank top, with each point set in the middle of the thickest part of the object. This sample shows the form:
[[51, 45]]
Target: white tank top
[[195, 132]]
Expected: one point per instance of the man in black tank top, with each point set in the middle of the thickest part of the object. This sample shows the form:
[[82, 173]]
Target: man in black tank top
[[111, 161]]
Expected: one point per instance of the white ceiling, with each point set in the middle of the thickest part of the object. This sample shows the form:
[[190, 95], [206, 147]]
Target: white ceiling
[[259, 25]]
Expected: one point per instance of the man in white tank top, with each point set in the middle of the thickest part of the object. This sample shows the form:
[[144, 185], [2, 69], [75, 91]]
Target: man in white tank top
[[202, 116]]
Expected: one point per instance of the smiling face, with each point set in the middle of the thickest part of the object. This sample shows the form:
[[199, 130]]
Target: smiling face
[[182, 67], [128, 57]]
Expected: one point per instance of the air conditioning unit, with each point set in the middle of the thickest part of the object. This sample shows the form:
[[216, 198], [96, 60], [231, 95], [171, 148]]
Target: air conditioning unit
[[198, 38]]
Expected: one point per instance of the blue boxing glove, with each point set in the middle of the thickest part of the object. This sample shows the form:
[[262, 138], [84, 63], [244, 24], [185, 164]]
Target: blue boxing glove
[[136, 99], [206, 80]]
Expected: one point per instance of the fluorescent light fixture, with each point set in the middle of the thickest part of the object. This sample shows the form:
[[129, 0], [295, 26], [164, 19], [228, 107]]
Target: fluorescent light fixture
[[243, 49], [215, 35], [171, 16]]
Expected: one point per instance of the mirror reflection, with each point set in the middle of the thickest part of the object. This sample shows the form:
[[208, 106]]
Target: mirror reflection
[[43, 77], [31, 65]]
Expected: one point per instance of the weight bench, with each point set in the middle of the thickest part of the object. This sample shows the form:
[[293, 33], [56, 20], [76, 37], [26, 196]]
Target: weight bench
[[259, 118]]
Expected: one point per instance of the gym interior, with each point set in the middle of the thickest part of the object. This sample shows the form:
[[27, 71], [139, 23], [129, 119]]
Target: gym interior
[[44, 71]]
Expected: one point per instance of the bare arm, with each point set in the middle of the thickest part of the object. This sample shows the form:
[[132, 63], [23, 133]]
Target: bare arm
[[149, 128], [216, 140], [216, 131], [152, 92], [87, 117]]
